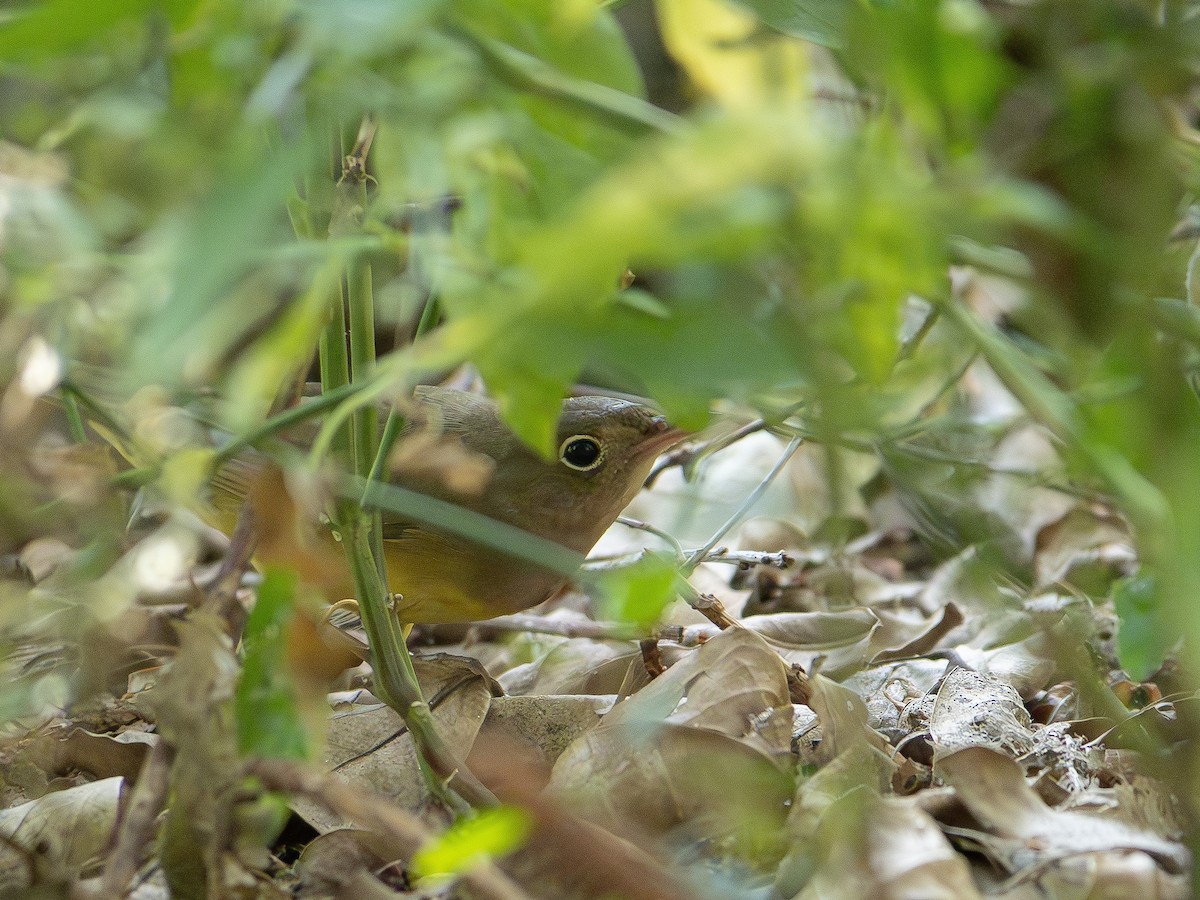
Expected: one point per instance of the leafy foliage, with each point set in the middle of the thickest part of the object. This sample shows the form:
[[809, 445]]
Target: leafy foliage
[[945, 241]]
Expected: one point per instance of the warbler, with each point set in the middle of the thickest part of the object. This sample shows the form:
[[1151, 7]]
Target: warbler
[[460, 450]]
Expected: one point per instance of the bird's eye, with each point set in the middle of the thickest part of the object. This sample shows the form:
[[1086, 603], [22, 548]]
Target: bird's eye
[[581, 452]]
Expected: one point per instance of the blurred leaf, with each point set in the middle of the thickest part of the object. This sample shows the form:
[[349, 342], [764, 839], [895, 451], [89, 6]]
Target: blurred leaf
[[695, 201], [729, 57], [577, 38], [253, 383], [939, 58], [1145, 636], [269, 723], [360, 29], [488, 834], [43, 30], [820, 21], [201, 319], [639, 593]]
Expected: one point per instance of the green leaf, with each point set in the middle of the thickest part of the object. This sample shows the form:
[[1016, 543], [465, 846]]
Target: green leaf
[[820, 21], [265, 704], [578, 40], [639, 593], [43, 30], [203, 317], [1145, 635], [488, 834]]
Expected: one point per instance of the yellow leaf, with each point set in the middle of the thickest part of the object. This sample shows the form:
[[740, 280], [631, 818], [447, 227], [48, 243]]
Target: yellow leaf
[[730, 56]]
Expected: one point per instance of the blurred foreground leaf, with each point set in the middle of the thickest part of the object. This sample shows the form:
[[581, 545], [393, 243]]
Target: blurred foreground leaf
[[269, 723], [488, 834]]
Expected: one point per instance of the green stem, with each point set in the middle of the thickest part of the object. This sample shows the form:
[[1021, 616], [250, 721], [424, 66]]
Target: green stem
[[335, 367], [391, 431], [365, 421], [532, 74], [395, 421], [429, 317], [74, 419], [395, 681], [308, 409]]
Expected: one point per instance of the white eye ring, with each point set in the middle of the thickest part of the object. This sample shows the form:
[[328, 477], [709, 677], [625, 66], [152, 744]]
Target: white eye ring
[[587, 441]]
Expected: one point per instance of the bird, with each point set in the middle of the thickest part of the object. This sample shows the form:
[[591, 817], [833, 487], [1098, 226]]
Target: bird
[[458, 448]]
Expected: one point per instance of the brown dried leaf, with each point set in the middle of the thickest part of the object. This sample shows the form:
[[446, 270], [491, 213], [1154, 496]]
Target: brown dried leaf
[[42, 556], [549, 724], [1107, 874], [1028, 665], [1089, 547], [977, 710], [888, 688], [1025, 507], [61, 831], [834, 642], [678, 775], [576, 666], [368, 744], [910, 859], [827, 827], [100, 755], [701, 744], [844, 719], [901, 637], [332, 861], [1021, 831]]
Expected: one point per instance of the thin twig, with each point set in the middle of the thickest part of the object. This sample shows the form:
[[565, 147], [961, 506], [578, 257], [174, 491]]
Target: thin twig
[[652, 657], [909, 347], [920, 451], [698, 556], [705, 604], [639, 525], [221, 596], [599, 631], [953, 379], [743, 559], [687, 455], [136, 827]]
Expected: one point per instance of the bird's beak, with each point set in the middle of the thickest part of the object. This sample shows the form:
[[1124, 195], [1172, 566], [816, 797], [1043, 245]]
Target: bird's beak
[[661, 436]]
